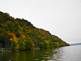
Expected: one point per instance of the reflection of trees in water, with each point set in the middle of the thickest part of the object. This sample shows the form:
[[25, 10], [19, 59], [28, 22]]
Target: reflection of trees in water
[[5, 56], [35, 55], [57, 55]]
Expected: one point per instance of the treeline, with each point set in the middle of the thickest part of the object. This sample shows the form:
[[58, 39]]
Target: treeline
[[21, 34]]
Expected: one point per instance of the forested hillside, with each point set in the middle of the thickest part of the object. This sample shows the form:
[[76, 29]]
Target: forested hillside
[[20, 34]]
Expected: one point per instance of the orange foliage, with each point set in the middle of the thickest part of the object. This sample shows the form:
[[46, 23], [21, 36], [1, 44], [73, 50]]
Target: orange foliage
[[12, 36]]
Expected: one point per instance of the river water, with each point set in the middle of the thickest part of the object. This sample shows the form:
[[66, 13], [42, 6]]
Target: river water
[[69, 53]]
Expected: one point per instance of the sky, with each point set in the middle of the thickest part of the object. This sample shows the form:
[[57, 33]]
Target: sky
[[60, 17]]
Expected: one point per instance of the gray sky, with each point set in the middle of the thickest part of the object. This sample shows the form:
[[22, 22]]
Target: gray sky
[[60, 17]]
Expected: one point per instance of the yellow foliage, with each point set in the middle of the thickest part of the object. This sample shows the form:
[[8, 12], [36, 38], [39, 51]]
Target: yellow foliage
[[12, 37], [17, 46], [22, 36]]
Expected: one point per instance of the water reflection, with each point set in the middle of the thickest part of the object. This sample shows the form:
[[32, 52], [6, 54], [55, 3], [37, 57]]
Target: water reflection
[[70, 53], [35, 55], [5, 56]]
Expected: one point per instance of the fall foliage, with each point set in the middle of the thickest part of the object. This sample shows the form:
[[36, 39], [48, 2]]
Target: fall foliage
[[22, 35]]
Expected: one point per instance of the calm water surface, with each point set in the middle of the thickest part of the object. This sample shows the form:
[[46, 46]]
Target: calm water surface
[[70, 53]]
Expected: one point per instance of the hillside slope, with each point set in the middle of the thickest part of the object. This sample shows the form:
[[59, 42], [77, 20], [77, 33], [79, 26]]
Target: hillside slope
[[20, 34]]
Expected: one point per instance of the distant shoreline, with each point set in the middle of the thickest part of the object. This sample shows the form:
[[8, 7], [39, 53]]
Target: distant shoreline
[[75, 44]]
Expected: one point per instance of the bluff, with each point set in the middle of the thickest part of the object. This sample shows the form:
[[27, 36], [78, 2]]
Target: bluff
[[20, 34]]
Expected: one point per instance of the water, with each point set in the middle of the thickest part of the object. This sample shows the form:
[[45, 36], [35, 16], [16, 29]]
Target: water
[[70, 53]]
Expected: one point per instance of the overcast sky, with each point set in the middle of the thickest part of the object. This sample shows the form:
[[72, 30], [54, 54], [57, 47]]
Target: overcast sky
[[60, 17]]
